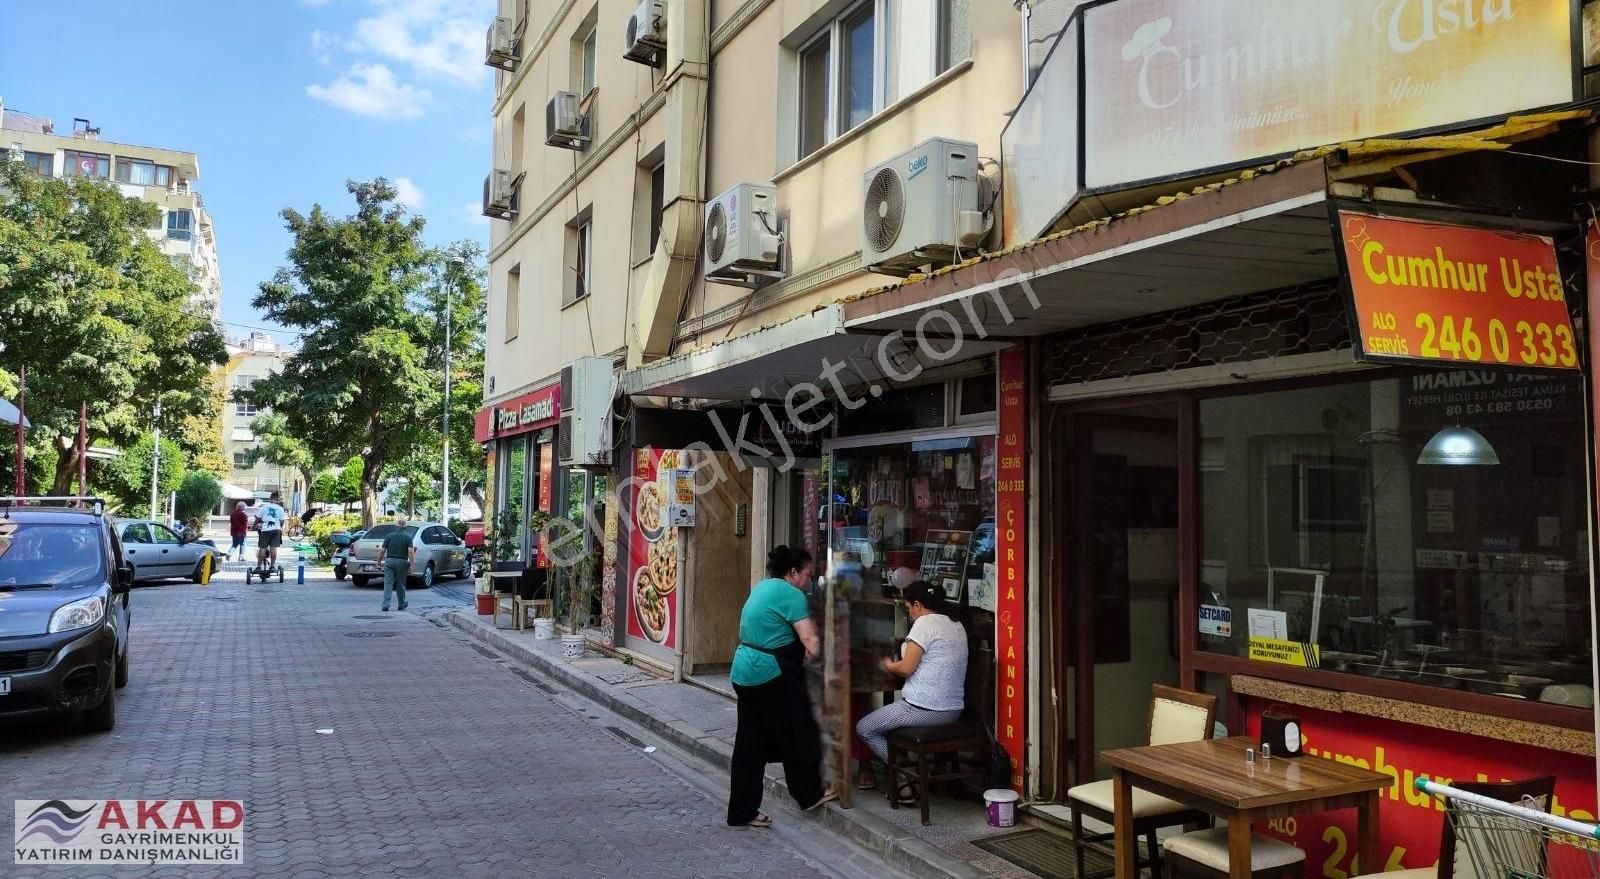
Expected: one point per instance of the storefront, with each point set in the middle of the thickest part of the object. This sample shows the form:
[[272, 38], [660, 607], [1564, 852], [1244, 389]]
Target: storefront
[[520, 434]]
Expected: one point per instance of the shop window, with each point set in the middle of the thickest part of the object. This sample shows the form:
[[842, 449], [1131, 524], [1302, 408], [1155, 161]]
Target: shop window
[[975, 397], [513, 489], [1326, 522]]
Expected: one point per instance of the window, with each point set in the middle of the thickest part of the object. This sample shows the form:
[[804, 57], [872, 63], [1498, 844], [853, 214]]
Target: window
[[136, 534], [587, 83], [583, 283], [91, 165], [42, 164], [1322, 524], [874, 54], [658, 187], [164, 535], [240, 461], [180, 224], [519, 125], [513, 302], [579, 259], [143, 173], [245, 409]]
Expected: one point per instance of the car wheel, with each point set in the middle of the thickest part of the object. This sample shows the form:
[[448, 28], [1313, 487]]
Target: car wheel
[[122, 669], [339, 573], [195, 577], [103, 717], [359, 582], [427, 576]]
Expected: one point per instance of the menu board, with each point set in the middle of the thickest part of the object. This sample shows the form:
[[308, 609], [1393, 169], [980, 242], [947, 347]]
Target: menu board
[[944, 560]]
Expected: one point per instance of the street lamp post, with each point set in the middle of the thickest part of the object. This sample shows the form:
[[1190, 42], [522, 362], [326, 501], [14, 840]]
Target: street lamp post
[[458, 265], [155, 465]]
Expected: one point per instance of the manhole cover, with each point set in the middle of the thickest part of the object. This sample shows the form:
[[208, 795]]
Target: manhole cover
[[370, 634], [373, 616]]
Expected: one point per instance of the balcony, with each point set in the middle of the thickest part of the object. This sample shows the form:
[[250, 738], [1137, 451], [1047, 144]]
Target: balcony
[[501, 190]]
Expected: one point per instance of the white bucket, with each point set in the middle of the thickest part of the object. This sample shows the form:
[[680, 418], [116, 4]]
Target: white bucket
[[1002, 806], [543, 629], [571, 646]]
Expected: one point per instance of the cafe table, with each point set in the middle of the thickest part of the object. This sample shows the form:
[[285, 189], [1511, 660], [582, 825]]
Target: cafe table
[[1211, 775]]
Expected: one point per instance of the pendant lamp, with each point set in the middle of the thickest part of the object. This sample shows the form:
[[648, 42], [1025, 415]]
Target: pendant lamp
[[1458, 445]]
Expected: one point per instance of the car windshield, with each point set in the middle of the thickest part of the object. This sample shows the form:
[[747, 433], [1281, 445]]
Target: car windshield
[[378, 532], [53, 554]]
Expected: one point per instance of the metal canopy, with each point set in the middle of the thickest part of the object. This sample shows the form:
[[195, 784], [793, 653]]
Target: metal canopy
[[1250, 235]]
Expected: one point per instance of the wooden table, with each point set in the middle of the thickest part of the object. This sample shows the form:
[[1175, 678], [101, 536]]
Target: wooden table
[[1212, 776]]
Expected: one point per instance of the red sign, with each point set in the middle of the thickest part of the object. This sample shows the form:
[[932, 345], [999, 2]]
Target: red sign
[[1433, 292], [652, 553], [1409, 825], [1011, 585], [547, 482], [530, 411]]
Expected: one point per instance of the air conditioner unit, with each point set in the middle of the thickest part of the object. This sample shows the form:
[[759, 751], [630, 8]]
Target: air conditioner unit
[[584, 437], [646, 40], [741, 233], [500, 195], [565, 125], [500, 49], [923, 206]]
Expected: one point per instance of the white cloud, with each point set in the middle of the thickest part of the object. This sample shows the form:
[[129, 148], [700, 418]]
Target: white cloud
[[372, 90], [472, 214], [435, 38], [322, 46], [409, 194]]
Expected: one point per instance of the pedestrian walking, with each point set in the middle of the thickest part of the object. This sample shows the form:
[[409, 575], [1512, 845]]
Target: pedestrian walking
[[775, 723], [269, 532], [238, 530], [396, 557]]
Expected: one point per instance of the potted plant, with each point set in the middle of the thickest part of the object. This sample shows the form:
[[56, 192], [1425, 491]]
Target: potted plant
[[502, 545], [576, 582]]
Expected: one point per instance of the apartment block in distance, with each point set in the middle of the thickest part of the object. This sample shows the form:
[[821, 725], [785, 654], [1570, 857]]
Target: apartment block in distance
[[251, 359], [163, 177]]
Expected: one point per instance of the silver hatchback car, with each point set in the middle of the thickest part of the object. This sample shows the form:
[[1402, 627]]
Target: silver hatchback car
[[156, 552], [439, 554]]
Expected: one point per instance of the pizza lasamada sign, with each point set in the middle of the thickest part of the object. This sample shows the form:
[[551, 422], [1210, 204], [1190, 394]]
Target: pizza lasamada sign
[[1434, 292]]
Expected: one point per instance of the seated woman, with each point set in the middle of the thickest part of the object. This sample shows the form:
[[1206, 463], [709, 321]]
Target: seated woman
[[934, 663]]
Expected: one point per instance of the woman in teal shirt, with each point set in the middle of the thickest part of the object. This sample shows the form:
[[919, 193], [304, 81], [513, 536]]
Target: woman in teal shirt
[[776, 639]]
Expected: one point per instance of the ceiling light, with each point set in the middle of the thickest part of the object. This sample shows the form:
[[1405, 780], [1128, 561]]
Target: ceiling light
[[1459, 446]]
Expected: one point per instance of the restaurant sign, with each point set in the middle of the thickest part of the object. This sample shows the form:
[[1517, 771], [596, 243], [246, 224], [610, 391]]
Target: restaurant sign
[[1012, 586], [1426, 292], [1176, 86], [517, 415]]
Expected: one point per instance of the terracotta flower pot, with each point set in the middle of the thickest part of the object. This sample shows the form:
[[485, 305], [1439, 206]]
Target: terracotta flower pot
[[485, 604]]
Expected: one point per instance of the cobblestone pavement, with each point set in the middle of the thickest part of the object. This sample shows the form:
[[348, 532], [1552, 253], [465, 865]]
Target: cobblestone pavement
[[441, 762]]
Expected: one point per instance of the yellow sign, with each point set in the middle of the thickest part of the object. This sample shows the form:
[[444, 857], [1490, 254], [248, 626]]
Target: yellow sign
[[1175, 86], [1285, 652]]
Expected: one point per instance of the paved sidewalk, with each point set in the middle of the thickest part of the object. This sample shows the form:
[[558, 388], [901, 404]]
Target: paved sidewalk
[[702, 723]]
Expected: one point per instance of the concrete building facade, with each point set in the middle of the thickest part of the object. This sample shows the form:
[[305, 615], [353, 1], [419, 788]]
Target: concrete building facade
[[249, 360]]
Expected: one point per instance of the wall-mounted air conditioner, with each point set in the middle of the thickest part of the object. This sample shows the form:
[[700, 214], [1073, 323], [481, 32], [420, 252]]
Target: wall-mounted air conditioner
[[584, 437], [923, 207], [743, 243], [500, 195], [565, 125], [646, 40], [501, 49]]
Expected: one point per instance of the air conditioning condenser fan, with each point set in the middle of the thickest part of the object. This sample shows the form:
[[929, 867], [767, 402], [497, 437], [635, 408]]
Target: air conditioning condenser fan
[[716, 233], [884, 210]]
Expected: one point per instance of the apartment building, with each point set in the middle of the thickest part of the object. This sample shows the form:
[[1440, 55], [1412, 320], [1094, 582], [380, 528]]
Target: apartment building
[[250, 359], [163, 177]]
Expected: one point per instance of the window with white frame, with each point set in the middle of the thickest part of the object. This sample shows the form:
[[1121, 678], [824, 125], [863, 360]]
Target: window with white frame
[[142, 172], [580, 256], [588, 83], [872, 54], [180, 224]]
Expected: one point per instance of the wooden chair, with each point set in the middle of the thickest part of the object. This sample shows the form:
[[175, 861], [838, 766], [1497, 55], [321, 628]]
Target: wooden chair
[[533, 593], [1455, 860], [505, 597], [1203, 854], [967, 735], [1175, 716]]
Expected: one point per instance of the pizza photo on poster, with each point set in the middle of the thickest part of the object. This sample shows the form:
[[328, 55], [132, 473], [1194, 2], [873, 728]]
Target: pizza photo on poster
[[653, 551]]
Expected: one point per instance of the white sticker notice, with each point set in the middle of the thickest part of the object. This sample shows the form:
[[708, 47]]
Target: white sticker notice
[[1216, 620]]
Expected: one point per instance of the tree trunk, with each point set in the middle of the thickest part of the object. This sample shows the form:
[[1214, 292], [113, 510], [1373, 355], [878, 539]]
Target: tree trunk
[[66, 470], [371, 470]]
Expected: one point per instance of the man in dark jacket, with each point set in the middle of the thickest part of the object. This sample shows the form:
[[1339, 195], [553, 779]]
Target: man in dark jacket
[[238, 530]]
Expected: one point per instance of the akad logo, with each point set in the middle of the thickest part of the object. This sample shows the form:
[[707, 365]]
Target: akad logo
[[128, 832]]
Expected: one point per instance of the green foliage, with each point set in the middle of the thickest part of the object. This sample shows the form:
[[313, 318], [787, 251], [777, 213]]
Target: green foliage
[[321, 529], [96, 313], [348, 488], [501, 540], [457, 527], [366, 294], [277, 446], [325, 487], [127, 478], [198, 495]]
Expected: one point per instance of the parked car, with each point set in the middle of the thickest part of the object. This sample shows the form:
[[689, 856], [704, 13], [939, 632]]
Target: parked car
[[156, 552], [439, 554], [64, 632], [341, 541]]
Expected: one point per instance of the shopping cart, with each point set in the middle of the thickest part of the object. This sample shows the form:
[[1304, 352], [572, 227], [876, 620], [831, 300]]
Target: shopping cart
[[1516, 840]]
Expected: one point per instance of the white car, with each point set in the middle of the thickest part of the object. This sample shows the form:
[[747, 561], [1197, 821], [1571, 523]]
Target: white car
[[439, 554], [156, 552]]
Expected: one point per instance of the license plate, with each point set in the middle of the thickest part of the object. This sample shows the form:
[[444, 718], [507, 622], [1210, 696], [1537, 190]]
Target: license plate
[[369, 568], [5, 686]]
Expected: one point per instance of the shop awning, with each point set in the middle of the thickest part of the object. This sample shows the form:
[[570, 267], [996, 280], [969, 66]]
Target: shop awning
[[235, 493], [1256, 232], [773, 359], [9, 414]]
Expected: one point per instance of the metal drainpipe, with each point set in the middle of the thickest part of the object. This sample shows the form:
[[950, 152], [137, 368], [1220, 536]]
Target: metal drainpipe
[[1026, 8]]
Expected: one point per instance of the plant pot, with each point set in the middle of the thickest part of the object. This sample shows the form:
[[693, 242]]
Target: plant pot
[[571, 646], [543, 628], [485, 604]]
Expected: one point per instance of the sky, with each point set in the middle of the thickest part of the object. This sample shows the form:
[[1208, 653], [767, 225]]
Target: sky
[[283, 100]]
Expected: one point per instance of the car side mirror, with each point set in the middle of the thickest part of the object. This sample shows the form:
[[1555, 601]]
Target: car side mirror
[[124, 578]]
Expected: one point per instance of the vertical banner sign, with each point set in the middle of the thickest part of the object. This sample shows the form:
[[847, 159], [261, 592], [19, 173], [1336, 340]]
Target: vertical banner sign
[[608, 578], [652, 552], [1408, 834], [1011, 605], [808, 512], [547, 481]]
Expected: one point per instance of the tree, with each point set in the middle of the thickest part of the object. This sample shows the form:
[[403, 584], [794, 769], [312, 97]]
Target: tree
[[358, 288], [348, 488], [198, 495], [127, 477], [325, 487], [276, 446], [96, 314], [200, 434]]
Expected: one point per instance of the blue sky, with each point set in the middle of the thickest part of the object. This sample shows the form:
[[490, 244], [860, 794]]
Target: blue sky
[[282, 99]]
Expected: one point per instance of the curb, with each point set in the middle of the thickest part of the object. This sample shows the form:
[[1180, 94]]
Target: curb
[[878, 836]]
